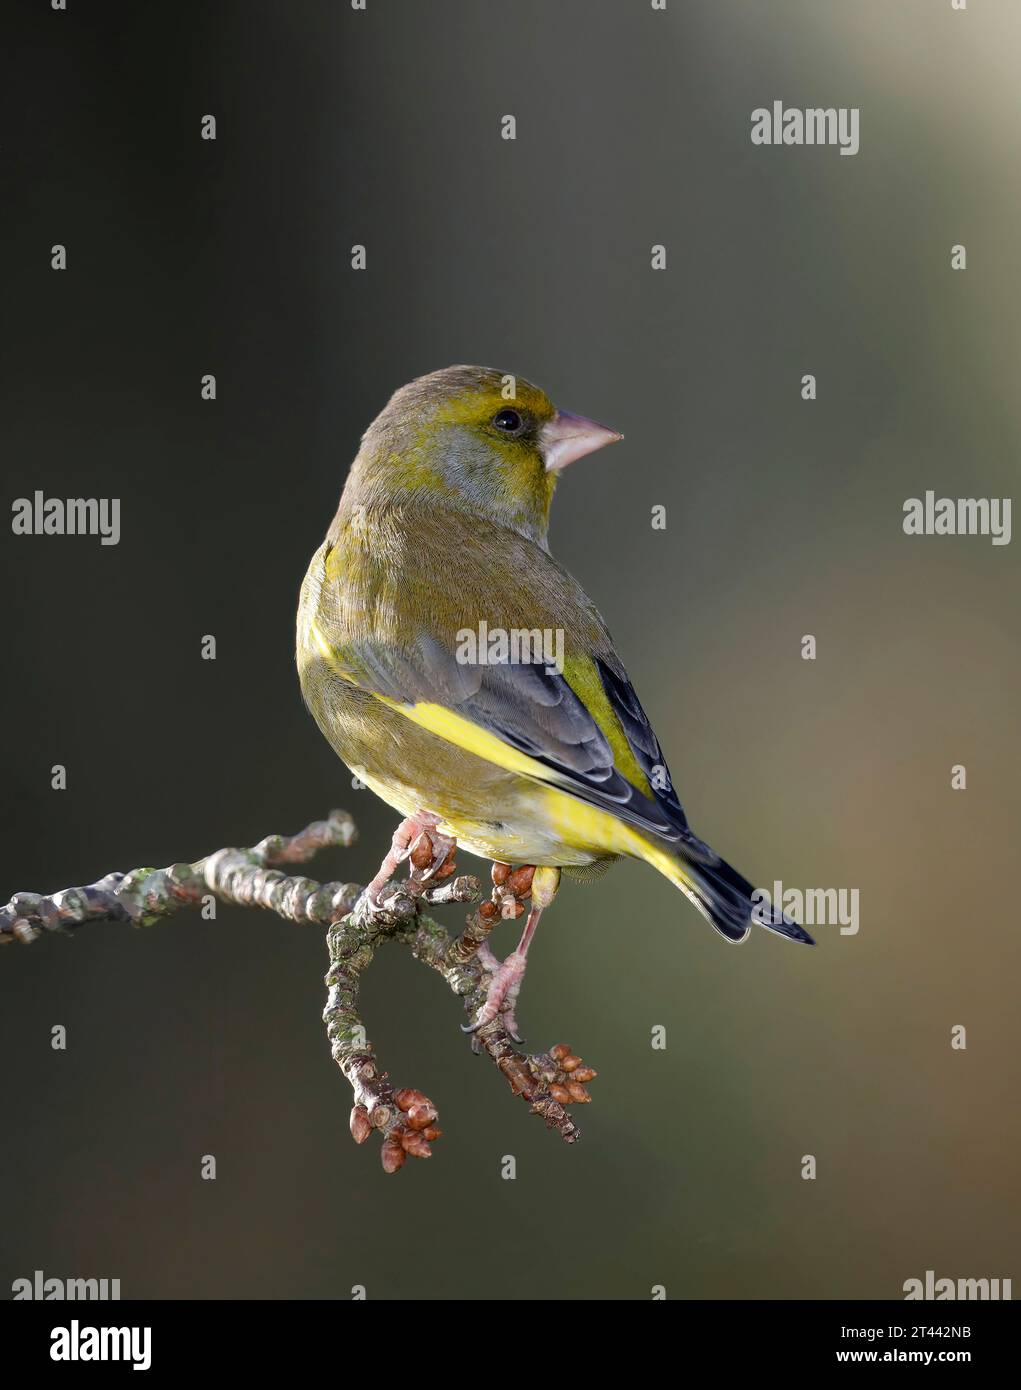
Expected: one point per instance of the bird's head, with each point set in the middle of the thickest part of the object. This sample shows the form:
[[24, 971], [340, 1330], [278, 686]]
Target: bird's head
[[478, 439]]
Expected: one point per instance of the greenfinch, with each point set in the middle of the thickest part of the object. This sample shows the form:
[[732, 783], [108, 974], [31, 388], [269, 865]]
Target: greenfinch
[[465, 677]]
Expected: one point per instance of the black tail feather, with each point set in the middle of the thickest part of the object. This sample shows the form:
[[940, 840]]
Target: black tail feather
[[733, 906]]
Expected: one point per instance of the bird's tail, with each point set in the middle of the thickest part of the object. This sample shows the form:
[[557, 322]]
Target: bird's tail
[[722, 895]]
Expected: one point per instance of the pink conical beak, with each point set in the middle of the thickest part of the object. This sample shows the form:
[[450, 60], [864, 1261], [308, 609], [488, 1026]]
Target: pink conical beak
[[568, 437]]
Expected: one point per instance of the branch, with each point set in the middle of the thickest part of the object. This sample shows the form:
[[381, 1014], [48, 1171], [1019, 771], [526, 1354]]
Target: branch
[[405, 1118]]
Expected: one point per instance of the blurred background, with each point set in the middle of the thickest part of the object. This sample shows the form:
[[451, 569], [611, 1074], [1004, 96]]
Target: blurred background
[[187, 257]]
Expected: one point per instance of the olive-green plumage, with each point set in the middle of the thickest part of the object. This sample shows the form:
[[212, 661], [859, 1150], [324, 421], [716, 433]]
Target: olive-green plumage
[[442, 526]]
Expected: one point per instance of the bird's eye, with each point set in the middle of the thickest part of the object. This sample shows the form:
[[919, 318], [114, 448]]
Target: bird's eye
[[508, 421]]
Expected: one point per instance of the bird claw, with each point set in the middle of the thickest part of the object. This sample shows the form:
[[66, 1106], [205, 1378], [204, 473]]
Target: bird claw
[[501, 994], [509, 1027], [430, 854]]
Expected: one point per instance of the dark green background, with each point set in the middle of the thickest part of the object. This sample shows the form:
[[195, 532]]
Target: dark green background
[[784, 518]]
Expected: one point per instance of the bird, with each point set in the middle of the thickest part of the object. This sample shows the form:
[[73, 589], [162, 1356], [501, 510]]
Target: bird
[[536, 754]]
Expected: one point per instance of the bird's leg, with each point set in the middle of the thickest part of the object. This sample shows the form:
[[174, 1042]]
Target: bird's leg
[[506, 976], [488, 958], [418, 839]]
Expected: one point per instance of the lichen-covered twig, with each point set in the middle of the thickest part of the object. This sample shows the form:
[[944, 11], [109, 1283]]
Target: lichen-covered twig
[[247, 877], [405, 1118]]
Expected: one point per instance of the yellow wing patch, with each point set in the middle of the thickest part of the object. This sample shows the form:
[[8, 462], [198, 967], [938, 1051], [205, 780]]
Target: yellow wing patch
[[461, 732], [578, 822], [581, 675]]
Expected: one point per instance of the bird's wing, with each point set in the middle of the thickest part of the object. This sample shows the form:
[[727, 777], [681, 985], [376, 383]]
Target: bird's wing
[[581, 729], [529, 719]]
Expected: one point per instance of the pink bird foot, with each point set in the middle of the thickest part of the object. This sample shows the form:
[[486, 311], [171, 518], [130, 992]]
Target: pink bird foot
[[502, 994], [418, 839], [510, 886]]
